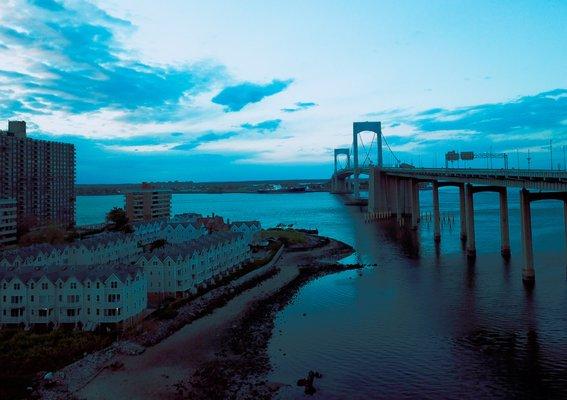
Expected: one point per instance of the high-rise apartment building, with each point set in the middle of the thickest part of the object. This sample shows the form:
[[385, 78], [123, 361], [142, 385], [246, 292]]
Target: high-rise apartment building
[[7, 222], [39, 175], [148, 204]]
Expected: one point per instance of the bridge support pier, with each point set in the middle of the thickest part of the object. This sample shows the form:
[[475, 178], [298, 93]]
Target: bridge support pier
[[504, 225], [528, 273], [398, 196], [414, 202], [471, 245], [565, 222], [462, 212], [436, 214]]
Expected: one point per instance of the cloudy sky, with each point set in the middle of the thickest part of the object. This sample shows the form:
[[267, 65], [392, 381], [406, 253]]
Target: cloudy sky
[[226, 90]]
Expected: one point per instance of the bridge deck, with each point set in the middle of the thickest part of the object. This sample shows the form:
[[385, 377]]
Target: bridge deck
[[530, 179]]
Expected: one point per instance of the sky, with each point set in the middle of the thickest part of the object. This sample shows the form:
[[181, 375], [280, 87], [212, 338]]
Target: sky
[[225, 90]]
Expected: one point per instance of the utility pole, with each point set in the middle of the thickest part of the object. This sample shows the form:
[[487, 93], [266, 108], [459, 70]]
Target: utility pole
[[551, 154], [529, 160], [518, 159], [564, 160]]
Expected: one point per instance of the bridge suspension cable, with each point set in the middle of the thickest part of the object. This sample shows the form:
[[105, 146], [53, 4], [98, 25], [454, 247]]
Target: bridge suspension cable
[[391, 152]]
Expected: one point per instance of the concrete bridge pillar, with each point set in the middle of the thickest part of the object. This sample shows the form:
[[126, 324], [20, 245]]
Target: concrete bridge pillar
[[469, 197], [463, 213], [414, 201], [436, 216], [398, 196], [565, 222], [528, 273], [355, 177], [504, 225]]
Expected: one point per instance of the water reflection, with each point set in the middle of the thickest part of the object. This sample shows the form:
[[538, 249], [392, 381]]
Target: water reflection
[[430, 323]]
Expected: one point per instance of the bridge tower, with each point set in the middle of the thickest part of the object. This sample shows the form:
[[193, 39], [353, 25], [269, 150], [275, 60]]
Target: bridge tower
[[358, 127], [345, 152]]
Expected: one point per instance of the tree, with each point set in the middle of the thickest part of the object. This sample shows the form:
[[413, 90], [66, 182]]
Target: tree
[[117, 217]]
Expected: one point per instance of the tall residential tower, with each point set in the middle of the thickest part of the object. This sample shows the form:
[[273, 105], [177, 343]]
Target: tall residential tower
[[39, 175]]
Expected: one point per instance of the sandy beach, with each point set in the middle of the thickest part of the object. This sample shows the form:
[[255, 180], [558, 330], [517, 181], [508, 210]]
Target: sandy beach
[[164, 370]]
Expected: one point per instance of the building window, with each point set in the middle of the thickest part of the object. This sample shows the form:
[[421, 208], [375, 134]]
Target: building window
[[113, 285], [16, 286], [31, 298], [44, 286]]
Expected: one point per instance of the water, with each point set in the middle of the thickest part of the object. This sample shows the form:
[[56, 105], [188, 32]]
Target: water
[[417, 326]]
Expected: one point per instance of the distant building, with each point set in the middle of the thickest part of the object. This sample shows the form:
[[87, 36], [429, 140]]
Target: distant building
[[7, 222], [148, 204], [39, 175]]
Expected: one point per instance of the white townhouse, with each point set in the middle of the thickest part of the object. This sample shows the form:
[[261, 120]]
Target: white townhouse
[[250, 229], [177, 270], [148, 231], [85, 297], [97, 249], [179, 232]]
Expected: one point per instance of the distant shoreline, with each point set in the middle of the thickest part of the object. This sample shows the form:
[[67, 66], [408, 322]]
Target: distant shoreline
[[210, 192]]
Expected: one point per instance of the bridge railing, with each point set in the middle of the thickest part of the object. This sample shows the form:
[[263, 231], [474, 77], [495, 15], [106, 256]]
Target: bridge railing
[[517, 173]]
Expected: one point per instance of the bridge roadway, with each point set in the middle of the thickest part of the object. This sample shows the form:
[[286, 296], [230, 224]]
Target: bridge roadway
[[538, 179], [393, 192]]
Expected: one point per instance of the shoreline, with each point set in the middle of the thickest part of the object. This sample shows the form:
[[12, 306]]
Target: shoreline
[[239, 370], [161, 363]]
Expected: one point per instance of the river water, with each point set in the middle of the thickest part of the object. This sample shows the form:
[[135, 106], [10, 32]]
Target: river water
[[423, 323]]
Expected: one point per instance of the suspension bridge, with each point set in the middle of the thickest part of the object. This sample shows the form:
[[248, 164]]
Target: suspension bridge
[[393, 191]]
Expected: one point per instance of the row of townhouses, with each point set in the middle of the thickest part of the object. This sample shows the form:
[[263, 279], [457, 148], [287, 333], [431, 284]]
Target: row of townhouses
[[102, 248], [82, 296], [108, 279], [108, 247], [178, 270]]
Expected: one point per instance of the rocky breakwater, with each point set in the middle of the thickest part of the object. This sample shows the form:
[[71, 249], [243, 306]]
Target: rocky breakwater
[[241, 365]]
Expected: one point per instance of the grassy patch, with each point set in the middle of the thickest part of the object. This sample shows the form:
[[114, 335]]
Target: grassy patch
[[288, 236], [25, 353]]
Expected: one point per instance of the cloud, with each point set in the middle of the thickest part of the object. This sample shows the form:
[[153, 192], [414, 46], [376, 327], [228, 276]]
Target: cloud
[[527, 122], [264, 126], [208, 137], [235, 98], [540, 112], [300, 106], [74, 63], [51, 5]]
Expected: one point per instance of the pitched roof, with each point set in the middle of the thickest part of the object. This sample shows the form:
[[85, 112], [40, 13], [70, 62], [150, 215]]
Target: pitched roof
[[65, 273]]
